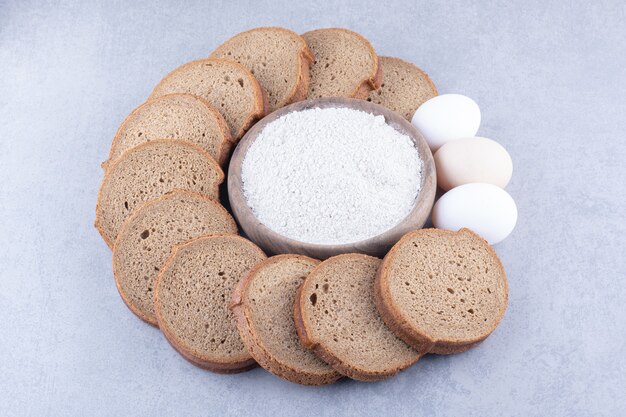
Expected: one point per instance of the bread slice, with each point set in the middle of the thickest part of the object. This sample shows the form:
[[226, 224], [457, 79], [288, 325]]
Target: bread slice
[[226, 85], [174, 116], [149, 171], [441, 291], [147, 237], [192, 295], [345, 64], [336, 317], [404, 89], [263, 304], [278, 58]]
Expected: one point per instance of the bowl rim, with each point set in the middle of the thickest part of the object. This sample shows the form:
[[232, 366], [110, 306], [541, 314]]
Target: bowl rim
[[426, 194]]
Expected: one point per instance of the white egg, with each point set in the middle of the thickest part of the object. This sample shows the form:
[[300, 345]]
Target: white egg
[[484, 208], [447, 117], [470, 160]]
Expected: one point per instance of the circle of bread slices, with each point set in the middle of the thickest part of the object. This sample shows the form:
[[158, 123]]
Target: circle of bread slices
[[179, 263]]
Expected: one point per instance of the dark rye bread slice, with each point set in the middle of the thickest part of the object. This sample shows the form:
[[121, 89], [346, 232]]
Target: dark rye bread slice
[[174, 116], [192, 295], [441, 291], [226, 85], [345, 64], [147, 237], [277, 57], [336, 317], [148, 171], [405, 87], [263, 303]]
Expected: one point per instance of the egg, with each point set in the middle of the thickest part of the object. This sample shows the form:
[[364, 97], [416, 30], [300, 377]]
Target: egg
[[447, 117], [473, 160], [484, 208]]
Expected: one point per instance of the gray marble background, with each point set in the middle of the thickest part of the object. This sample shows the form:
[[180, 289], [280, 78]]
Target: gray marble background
[[550, 78]]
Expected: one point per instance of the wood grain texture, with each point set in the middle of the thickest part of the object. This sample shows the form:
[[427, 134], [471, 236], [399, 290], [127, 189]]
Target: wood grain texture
[[274, 243]]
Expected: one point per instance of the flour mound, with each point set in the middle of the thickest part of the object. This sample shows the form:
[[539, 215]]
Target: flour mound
[[331, 176]]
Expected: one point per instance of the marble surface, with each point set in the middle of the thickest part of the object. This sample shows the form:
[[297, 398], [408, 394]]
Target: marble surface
[[549, 77]]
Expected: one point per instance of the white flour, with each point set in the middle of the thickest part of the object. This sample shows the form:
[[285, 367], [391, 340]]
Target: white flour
[[332, 175]]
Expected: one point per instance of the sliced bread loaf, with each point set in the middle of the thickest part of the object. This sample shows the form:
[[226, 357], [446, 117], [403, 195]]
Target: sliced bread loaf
[[336, 317], [278, 58], [441, 291], [226, 85], [147, 237], [174, 116], [149, 171], [405, 87], [345, 64], [263, 303], [192, 295]]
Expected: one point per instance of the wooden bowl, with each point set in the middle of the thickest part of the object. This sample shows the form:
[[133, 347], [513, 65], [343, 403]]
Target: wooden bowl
[[274, 243]]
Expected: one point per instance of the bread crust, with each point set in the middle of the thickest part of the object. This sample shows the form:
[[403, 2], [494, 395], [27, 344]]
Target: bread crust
[[370, 82], [244, 363], [225, 146], [304, 77], [97, 222], [116, 274], [253, 342], [327, 355], [301, 87], [396, 320], [261, 105]]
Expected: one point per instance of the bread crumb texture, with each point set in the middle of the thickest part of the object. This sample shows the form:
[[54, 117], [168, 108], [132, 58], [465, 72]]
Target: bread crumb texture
[[278, 58], [174, 116], [269, 305], [149, 171], [148, 236], [193, 292], [404, 88], [339, 314], [226, 85], [448, 286], [345, 63]]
